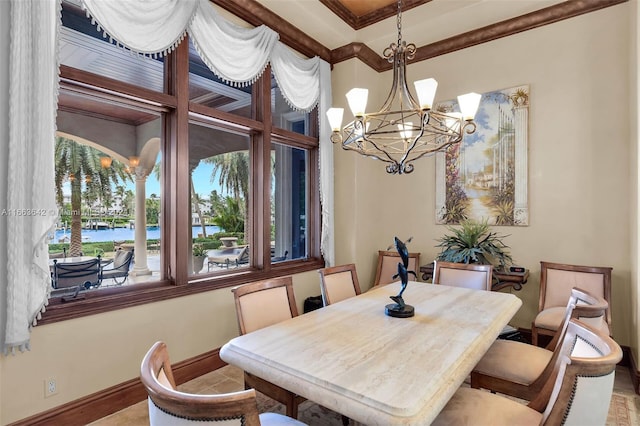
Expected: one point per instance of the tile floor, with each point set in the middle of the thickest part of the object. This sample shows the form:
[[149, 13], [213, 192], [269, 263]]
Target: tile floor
[[229, 379]]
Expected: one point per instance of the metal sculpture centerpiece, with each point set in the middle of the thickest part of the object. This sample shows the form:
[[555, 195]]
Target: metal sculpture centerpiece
[[401, 309], [404, 129]]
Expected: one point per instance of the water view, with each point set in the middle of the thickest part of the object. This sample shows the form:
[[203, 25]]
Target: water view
[[120, 234]]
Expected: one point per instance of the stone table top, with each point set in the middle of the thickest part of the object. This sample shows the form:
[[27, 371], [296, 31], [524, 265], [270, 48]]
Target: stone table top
[[352, 358]]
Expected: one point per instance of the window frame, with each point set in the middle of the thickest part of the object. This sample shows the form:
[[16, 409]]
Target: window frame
[[175, 241]]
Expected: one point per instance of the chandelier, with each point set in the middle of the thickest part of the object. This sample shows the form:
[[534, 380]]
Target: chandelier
[[403, 130]]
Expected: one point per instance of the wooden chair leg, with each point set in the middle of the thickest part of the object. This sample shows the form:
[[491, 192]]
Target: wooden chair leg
[[474, 381], [534, 335]]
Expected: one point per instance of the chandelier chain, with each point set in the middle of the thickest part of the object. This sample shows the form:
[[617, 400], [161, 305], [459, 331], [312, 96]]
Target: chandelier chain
[[399, 22]]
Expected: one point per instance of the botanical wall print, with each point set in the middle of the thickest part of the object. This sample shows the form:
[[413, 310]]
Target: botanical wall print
[[485, 176]]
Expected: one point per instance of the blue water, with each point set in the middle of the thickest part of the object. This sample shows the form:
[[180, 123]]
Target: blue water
[[119, 234]]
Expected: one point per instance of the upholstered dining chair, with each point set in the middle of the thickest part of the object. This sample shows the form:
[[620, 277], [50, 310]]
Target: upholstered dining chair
[[170, 407], [338, 283], [261, 304], [579, 393], [467, 275], [521, 370], [388, 266], [556, 282]]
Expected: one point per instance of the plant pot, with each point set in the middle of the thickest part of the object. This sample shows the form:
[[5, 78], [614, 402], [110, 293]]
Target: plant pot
[[197, 263]]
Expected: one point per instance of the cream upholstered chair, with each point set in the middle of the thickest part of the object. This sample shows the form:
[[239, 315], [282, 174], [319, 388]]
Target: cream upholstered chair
[[521, 370], [388, 266], [579, 393], [556, 282], [261, 304], [338, 283], [170, 407], [471, 275]]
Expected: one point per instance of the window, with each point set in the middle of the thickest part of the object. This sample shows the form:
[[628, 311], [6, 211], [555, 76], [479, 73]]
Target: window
[[211, 184]]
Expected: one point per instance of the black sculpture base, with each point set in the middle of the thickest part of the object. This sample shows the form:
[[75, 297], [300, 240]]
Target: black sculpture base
[[397, 311]]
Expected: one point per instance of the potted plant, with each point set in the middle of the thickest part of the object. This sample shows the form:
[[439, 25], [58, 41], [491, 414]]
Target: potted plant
[[475, 242], [199, 253]]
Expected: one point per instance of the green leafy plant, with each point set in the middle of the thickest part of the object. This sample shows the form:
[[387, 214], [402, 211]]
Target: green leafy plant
[[198, 250], [474, 242]]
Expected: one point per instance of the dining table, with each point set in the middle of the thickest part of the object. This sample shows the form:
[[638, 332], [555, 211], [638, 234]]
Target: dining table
[[376, 369]]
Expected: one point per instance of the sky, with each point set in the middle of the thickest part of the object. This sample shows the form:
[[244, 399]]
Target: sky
[[201, 181]]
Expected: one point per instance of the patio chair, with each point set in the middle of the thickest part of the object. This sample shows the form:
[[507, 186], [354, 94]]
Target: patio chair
[[60, 255], [117, 269], [224, 257], [76, 274], [275, 259]]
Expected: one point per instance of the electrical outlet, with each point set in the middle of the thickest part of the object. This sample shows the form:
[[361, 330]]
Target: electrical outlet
[[50, 387]]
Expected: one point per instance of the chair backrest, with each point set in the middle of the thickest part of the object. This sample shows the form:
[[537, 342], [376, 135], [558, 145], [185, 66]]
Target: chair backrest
[[388, 266], [586, 307], [264, 303], [60, 255], [472, 275], [170, 407], [581, 391], [338, 283], [73, 274], [557, 280], [122, 260]]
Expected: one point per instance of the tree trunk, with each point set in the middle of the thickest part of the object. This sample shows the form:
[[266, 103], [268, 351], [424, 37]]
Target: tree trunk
[[75, 246], [195, 201]]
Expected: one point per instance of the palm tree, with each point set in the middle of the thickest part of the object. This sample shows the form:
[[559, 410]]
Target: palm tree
[[80, 163], [232, 169], [195, 200]]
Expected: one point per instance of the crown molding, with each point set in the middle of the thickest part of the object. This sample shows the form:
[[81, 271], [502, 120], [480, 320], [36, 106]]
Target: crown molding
[[256, 14], [529, 21]]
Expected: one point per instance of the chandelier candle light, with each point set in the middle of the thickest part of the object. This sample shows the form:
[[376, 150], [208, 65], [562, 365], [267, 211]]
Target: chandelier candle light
[[403, 130]]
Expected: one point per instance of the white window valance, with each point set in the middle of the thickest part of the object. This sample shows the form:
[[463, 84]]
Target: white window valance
[[235, 54]]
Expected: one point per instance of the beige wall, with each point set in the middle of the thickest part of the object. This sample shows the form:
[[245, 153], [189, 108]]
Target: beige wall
[[579, 186], [88, 354], [579, 148]]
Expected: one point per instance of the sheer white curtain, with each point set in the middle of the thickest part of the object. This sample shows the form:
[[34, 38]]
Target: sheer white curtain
[[31, 210]]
